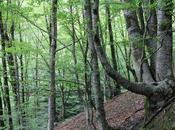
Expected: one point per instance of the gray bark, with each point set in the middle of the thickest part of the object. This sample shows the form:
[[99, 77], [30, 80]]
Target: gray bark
[[112, 47], [165, 40], [136, 38], [2, 124], [159, 91], [6, 96], [51, 104], [88, 103], [151, 34], [100, 113], [13, 69], [22, 95]]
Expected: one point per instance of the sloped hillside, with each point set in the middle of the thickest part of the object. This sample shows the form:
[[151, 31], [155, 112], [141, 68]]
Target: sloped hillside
[[123, 112]]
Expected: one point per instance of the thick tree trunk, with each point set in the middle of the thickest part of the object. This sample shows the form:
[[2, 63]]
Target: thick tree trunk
[[165, 39], [151, 34], [155, 91], [137, 44], [159, 91]]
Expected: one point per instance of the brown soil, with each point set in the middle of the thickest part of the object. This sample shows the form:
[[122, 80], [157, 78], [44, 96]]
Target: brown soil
[[123, 111]]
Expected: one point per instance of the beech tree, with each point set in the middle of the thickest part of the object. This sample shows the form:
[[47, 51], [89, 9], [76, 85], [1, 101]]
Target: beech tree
[[161, 88], [103, 49]]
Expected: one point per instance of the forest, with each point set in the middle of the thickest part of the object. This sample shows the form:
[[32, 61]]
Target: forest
[[87, 65]]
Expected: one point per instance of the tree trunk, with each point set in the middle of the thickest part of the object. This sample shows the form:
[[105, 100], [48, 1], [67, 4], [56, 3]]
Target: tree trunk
[[51, 104], [36, 101], [1, 94], [2, 124], [14, 72], [63, 105], [165, 39], [6, 95], [151, 33], [62, 93], [73, 35], [117, 88], [100, 112], [159, 93], [88, 102], [137, 45]]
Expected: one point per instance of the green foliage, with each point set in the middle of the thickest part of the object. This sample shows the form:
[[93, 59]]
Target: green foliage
[[34, 46], [131, 4], [21, 48]]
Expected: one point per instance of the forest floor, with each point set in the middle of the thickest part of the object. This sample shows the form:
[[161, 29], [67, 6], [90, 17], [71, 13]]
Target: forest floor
[[124, 111]]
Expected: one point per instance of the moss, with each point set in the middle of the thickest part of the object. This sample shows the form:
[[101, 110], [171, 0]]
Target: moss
[[146, 106], [164, 121]]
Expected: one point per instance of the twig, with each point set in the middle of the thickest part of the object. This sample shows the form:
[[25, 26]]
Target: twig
[[134, 113]]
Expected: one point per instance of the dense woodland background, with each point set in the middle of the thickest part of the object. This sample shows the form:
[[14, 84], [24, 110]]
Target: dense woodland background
[[63, 57]]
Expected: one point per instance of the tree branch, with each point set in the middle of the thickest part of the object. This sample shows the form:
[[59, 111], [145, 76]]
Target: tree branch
[[139, 88]]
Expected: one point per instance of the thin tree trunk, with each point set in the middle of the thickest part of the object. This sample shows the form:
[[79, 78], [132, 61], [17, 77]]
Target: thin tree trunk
[[88, 103], [62, 101], [21, 89], [26, 90], [62, 93], [6, 95], [6, 87], [112, 47], [22, 69], [14, 73], [52, 104], [92, 26], [36, 102], [2, 124], [108, 89], [73, 35], [1, 94]]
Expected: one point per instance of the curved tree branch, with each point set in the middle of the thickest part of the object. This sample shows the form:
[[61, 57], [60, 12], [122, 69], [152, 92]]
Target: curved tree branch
[[156, 91], [139, 88]]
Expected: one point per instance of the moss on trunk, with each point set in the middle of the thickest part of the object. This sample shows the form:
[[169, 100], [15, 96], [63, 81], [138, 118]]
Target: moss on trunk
[[164, 121]]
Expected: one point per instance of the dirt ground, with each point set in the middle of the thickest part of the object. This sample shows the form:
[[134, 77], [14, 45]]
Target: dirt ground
[[123, 111]]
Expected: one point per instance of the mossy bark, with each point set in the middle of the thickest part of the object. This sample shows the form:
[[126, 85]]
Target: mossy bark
[[164, 120]]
